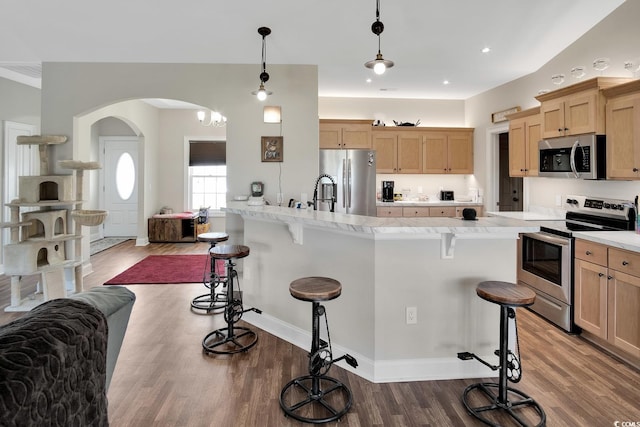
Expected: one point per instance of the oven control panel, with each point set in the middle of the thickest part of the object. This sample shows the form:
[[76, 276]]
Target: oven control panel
[[588, 204]]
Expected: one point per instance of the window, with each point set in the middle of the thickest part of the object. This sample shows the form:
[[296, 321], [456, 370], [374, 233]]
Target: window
[[208, 187], [207, 175]]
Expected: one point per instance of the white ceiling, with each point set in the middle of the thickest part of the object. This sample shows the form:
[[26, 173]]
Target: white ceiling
[[429, 40]]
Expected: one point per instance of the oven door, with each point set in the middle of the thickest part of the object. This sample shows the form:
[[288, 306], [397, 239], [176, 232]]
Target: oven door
[[544, 263]]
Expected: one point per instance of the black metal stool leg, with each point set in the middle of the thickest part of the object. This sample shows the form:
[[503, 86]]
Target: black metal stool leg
[[227, 340], [498, 393], [213, 300], [315, 398]]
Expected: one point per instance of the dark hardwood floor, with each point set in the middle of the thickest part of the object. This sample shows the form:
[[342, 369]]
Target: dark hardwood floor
[[162, 378]]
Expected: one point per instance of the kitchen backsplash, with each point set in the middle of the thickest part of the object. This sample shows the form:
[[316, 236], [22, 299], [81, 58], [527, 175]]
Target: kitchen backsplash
[[428, 185]]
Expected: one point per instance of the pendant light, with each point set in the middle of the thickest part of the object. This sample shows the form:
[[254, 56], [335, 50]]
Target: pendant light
[[262, 93], [379, 64]]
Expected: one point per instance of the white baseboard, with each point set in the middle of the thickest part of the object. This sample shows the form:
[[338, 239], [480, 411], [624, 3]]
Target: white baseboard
[[381, 371], [142, 241]]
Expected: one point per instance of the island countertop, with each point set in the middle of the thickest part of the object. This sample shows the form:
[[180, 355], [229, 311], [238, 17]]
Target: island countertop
[[381, 225]]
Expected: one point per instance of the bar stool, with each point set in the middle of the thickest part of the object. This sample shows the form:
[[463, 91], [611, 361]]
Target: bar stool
[[329, 399], [227, 340], [212, 300], [508, 400]]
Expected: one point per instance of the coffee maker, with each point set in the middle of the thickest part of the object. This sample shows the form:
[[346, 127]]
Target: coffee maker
[[387, 191]]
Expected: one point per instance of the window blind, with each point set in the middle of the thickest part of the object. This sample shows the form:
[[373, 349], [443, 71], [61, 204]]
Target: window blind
[[207, 153]]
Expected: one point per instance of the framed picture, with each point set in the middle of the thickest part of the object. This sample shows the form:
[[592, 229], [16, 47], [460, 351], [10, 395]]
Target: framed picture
[[500, 116], [272, 148]]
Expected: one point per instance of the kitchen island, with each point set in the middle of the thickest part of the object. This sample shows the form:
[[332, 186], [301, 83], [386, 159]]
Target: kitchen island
[[385, 265]]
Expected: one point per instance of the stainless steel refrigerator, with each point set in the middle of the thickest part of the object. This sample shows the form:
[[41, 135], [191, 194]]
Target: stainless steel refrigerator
[[354, 172]]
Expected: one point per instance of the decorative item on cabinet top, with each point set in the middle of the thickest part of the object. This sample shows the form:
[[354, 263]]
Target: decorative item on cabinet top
[[501, 116], [407, 123]]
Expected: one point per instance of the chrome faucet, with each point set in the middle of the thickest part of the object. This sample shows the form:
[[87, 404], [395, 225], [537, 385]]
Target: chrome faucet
[[332, 200]]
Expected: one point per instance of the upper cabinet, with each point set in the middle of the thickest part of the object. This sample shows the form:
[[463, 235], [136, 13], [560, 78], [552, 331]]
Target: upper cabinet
[[404, 149], [524, 134], [448, 150], [398, 151], [576, 109], [623, 131], [338, 134]]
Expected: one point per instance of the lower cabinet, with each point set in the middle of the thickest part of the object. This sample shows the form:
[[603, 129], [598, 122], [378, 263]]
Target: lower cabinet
[[389, 211], [425, 211], [607, 294]]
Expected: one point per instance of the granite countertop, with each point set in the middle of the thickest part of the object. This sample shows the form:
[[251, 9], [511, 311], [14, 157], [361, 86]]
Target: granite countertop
[[381, 225], [529, 216]]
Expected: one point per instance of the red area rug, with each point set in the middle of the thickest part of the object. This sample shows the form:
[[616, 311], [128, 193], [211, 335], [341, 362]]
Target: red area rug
[[160, 269]]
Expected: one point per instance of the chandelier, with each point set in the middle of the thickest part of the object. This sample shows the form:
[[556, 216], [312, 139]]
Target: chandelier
[[215, 119]]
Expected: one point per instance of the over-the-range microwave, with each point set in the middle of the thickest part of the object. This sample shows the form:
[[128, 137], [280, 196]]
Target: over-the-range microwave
[[580, 156]]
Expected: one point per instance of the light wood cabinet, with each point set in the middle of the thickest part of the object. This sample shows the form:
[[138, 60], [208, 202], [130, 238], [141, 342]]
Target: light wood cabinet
[[607, 294], [449, 152], [576, 109], [389, 211], [398, 152], [524, 134], [623, 131], [591, 284], [425, 211], [345, 134], [416, 211], [445, 211]]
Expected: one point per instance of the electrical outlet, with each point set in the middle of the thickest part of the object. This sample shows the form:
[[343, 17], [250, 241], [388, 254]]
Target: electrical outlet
[[412, 315], [279, 198]]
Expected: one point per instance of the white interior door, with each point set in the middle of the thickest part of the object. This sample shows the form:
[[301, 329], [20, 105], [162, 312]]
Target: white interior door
[[120, 185], [19, 160]]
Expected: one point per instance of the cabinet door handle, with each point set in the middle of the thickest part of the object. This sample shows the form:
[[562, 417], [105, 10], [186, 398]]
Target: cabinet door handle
[[566, 129], [588, 252], [635, 169], [609, 277], [559, 129], [600, 274], [625, 263]]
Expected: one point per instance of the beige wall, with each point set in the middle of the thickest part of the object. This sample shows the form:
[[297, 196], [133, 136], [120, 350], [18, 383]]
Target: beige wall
[[73, 90], [616, 37]]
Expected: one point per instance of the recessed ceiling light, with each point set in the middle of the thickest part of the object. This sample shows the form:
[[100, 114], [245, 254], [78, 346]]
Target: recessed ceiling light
[[445, 82], [368, 80], [486, 49]]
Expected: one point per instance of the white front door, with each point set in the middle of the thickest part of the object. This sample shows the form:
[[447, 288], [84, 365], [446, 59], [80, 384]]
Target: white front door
[[120, 185], [19, 160]]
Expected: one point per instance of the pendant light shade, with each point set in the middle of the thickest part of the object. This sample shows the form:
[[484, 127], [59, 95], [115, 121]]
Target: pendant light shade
[[379, 65], [262, 93]]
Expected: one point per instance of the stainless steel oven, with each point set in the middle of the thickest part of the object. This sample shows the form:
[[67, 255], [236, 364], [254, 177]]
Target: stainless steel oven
[[545, 259], [545, 263]]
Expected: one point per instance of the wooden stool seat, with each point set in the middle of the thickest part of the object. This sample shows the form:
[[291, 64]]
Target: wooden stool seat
[[505, 293], [315, 289], [229, 251], [213, 237]]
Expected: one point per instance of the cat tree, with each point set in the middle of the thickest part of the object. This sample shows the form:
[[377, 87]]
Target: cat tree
[[40, 242]]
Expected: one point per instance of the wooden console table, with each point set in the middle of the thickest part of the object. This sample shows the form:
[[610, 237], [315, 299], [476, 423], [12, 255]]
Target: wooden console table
[[181, 227]]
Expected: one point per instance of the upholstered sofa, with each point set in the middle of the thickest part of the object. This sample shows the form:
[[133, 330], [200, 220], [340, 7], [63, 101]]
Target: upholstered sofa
[[56, 361]]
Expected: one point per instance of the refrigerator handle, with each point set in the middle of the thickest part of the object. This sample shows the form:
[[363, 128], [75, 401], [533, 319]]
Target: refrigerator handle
[[344, 184], [348, 183]]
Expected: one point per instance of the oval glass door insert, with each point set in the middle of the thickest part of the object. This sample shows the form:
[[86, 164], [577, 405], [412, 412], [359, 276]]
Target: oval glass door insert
[[125, 176]]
